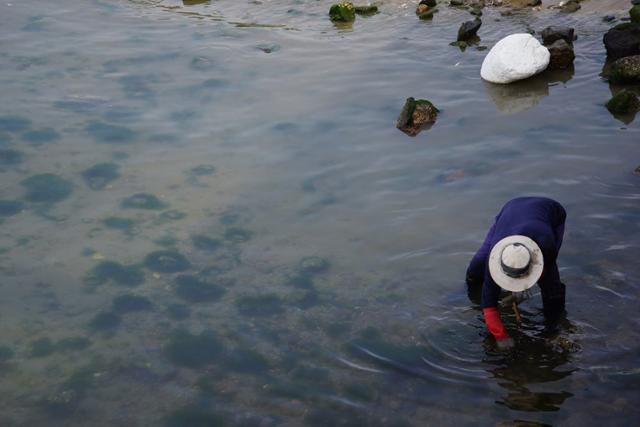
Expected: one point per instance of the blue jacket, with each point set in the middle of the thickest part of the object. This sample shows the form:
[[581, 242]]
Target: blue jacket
[[540, 219]]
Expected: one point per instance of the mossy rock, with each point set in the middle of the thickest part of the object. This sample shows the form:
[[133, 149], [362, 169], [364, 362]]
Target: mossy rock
[[624, 102], [14, 123], [41, 136], [47, 188], [10, 208], [143, 201], [634, 13], [124, 275], [205, 243], [193, 351], [194, 290], [265, 305], [342, 12], [131, 303], [416, 114], [166, 261], [626, 70], [6, 354], [366, 10], [99, 176], [105, 322]]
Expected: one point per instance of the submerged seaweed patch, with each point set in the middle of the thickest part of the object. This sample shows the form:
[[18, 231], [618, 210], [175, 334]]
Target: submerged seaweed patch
[[192, 289], [41, 136], [14, 123], [246, 360], [193, 351], [42, 347], [313, 265], [110, 134], [143, 201], [10, 208], [130, 303], [178, 311], [118, 223], [125, 275], [105, 322], [166, 261], [47, 188], [100, 175], [9, 157], [260, 305], [205, 243]]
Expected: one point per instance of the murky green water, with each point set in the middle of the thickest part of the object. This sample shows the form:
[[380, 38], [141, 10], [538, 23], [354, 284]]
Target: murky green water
[[207, 217]]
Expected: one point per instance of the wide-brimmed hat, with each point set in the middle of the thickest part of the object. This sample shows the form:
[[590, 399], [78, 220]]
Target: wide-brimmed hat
[[516, 263]]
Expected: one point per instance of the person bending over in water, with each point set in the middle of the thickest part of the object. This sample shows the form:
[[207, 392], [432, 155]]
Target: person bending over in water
[[520, 249]]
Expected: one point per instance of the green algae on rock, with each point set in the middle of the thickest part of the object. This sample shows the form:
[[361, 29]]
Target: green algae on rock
[[342, 12], [192, 289], [416, 115], [166, 261], [624, 102], [100, 175], [634, 14], [626, 70], [193, 351], [143, 201], [124, 275], [47, 188], [265, 305]]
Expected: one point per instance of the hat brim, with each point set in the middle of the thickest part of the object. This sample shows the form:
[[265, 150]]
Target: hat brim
[[516, 284]]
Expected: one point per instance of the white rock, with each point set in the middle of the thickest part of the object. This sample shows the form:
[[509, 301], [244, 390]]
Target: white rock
[[513, 58]]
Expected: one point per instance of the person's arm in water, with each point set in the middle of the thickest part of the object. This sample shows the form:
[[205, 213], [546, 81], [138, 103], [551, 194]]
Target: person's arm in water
[[490, 296]]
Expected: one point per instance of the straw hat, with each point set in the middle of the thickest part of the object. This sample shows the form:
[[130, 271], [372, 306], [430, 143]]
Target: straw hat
[[516, 263]]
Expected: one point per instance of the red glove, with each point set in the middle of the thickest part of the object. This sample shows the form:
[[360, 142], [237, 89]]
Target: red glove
[[494, 324]]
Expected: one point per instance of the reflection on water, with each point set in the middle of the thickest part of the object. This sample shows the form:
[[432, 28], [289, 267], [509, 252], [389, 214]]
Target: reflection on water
[[209, 219]]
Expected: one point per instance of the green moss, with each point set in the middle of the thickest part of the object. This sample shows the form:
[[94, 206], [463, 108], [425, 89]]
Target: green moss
[[260, 305], [125, 275], [624, 102], [130, 303], [195, 416], [42, 347], [143, 201], [110, 134], [342, 12], [193, 351], [246, 361], [634, 13], [172, 215], [14, 123], [166, 261], [105, 322], [47, 188], [178, 311], [99, 176], [10, 208], [205, 243], [202, 170], [191, 289], [73, 344], [118, 223], [40, 136], [237, 234]]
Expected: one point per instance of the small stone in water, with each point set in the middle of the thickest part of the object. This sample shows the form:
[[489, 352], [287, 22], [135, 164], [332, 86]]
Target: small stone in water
[[14, 123], [125, 275], [626, 70], [260, 305], [237, 234], [191, 289], [342, 12], [468, 30], [205, 243], [416, 115], [42, 347]]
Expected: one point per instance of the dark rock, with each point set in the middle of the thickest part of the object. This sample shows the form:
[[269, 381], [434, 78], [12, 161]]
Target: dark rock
[[426, 14], [456, 3], [42, 347], [608, 18], [624, 102], [634, 13], [469, 30], [635, 2], [562, 55], [366, 10], [476, 12], [342, 12], [118, 223], [637, 172], [14, 123], [626, 70], [265, 305], [570, 6], [205, 243], [551, 34], [429, 3], [622, 40], [416, 115], [237, 234], [110, 134], [105, 322]]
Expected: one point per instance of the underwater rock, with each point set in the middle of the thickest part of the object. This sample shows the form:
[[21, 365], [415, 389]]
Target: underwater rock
[[130, 303], [622, 40], [561, 55], [468, 30], [626, 70], [192, 289], [246, 360], [553, 33], [118, 223], [366, 10], [47, 188], [515, 57], [41, 136], [265, 305], [342, 12], [14, 123], [178, 311], [110, 134], [624, 102], [167, 261], [205, 243], [10, 208], [99, 176], [143, 201], [125, 275], [9, 157], [417, 114], [193, 351], [105, 322]]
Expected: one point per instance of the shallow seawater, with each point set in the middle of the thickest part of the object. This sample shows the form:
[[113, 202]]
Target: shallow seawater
[[208, 217]]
